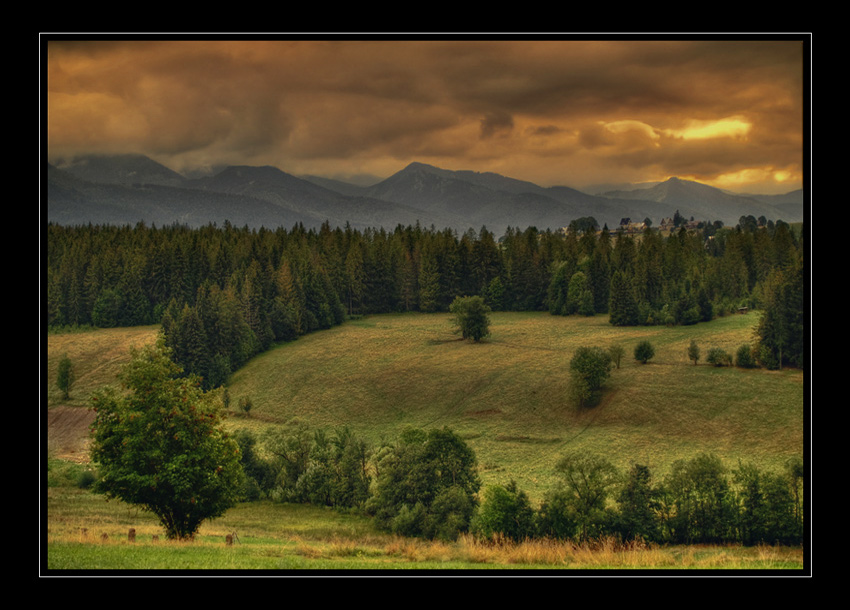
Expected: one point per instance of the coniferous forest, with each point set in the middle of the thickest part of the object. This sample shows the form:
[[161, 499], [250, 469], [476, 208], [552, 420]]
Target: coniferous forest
[[224, 294]]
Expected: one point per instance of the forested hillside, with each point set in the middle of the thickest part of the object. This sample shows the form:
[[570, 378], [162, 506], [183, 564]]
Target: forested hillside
[[225, 293]]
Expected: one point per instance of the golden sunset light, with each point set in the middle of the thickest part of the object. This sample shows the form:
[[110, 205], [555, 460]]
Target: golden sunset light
[[446, 303], [556, 112], [733, 127]]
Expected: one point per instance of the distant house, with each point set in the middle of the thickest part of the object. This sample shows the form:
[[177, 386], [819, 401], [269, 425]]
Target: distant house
[[627, 226]]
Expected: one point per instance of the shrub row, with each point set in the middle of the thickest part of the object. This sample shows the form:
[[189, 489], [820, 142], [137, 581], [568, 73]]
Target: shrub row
[[427, 485]]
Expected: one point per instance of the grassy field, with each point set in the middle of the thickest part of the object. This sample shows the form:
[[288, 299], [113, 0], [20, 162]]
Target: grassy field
[[507, 396], [278, 538], [97, 356]]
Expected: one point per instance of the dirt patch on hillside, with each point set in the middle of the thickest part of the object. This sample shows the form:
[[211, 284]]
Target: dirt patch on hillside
[[68, 431]]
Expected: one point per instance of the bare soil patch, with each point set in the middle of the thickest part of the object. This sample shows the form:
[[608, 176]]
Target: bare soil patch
[[67, 432]]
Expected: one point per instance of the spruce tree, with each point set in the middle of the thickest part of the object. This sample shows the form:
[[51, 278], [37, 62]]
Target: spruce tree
[[622, 308]]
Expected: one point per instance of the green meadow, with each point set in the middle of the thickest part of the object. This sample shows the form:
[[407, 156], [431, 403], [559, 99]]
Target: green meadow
[[507, 396]]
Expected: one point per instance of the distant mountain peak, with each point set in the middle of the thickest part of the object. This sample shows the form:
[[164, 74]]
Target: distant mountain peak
[[119, 189], [419, 165]]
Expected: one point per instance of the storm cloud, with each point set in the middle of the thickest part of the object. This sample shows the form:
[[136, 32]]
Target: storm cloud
[[571, 112]]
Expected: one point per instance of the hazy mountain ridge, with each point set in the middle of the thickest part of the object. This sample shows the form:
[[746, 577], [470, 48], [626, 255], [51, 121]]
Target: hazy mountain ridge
[[126, 189], [122, 169], [701, 201]]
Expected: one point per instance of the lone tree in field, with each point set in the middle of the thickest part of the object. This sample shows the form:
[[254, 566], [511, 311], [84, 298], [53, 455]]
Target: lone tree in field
[[160, 445], [644, 352], [65, 376], [693, 352], [471, 317], [616, 353], [589, 368]]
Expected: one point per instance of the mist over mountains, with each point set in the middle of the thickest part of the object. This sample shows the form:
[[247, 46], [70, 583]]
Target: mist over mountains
[[127, 189]]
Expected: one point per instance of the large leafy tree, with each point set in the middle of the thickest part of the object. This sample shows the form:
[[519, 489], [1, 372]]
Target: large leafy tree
[[576, 508], [765, 507], [160, 445], [700, 500], [506, 511], [426, 485]]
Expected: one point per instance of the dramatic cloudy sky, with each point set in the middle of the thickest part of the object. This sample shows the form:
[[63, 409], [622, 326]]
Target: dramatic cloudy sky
[[568, 112]]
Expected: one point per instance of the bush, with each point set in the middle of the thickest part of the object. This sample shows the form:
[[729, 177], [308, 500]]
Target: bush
[[745, 358], [644, 352], [506, 512], [470, 317], [65, 376], [85, 479], [719, 357], [690, 316], [246, 404], [589, 368]]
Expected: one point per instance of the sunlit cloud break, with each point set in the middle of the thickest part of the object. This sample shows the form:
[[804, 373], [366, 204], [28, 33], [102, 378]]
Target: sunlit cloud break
[[556, 112], [731, 127]]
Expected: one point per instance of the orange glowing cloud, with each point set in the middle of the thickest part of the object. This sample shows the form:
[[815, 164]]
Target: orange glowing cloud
[[568, 112]]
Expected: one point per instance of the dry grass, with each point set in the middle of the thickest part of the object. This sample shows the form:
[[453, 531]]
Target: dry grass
[[276, 536], [607, 554], [97, 357]]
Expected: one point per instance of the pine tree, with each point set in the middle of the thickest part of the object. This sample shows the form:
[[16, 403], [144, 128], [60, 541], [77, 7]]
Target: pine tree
[[622, 308], [429, 283], [781, 331], [557, 295]]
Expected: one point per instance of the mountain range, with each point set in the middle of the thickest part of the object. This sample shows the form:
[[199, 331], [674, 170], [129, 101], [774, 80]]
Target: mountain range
[[127, 189]]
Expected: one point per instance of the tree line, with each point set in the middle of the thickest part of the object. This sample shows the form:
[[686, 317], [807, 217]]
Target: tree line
[[224, 294], [426, 484]]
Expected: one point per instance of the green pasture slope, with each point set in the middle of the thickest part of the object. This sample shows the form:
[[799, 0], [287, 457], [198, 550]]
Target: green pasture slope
[[508, 395]]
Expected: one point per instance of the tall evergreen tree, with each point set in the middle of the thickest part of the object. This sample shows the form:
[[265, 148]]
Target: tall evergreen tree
[[557, 296], [781, 330], [622, 307], [429, 282]]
